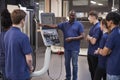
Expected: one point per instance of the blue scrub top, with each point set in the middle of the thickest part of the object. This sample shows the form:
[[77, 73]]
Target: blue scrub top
[[102, 60], [113, 43], [71, 30], [17, 45], [96, 33]]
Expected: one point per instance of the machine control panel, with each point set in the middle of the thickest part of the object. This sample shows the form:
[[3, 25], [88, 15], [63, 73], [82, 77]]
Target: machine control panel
[[50, 36]]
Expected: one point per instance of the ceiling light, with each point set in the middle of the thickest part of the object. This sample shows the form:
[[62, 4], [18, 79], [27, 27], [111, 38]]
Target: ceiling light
[[37, 3], [93, 2], [100, 4]]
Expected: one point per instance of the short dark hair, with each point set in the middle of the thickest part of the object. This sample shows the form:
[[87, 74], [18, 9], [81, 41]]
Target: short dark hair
[[94, 13], [114, 16], [6, 21], [17, 15]]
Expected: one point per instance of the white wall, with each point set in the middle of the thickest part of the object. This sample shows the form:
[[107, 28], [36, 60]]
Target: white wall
[[56, 7]]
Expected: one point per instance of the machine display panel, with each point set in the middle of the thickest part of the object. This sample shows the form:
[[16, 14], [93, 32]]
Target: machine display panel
[[50, 36], [47, 18]]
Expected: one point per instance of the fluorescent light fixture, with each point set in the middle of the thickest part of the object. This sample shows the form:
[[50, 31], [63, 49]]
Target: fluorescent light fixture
[[93, 2], [100, 4], [114, 9], [37, 3]]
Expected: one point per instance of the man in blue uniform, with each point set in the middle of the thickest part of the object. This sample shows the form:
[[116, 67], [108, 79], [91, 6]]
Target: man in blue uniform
[[112, 47], [73, 32], [5, 25], [93, 38], [18, 51]]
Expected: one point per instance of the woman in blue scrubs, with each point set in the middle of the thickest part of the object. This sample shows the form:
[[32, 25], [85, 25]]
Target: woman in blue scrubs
[[101, 67]]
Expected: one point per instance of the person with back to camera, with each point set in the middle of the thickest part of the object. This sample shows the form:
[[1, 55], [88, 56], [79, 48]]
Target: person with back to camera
[[112, 47], [18, 58], [6, 23], [102, 60], [73, 32], [93, 38]]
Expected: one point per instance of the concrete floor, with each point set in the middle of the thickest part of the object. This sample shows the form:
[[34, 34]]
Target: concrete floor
[[56, 67]]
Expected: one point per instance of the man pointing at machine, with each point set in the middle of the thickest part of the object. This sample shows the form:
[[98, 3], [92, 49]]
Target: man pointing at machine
[[73, 32]]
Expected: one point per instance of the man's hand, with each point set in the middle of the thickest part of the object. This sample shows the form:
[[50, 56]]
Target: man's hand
[[92, 40], [88, 37], [96, 52], [31, 69], [69, 39]]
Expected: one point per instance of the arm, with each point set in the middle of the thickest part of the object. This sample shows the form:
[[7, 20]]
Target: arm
[[79, 37], [75, 38], [97, 34], [29, 61], [105, 51], [48, 26], [27, 50], [92, 40], [109, 45]]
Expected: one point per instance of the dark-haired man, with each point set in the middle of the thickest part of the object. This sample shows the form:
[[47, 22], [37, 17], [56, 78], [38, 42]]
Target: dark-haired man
[[112, 47]]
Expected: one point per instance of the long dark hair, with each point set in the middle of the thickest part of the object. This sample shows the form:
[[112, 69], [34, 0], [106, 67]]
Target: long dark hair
[[6, 21], [104, 22]]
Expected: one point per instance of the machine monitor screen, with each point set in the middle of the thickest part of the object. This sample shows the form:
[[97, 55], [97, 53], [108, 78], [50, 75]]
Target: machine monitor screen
[[47, 18], [50, 36]]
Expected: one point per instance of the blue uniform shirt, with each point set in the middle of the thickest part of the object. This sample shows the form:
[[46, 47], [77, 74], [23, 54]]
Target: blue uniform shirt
[[71, 30], [96, 33], [113, 43], [2, 49], [16, 47], [102, 60]]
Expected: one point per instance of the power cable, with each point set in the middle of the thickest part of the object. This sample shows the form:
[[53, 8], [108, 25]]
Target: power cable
[[48, 71]]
